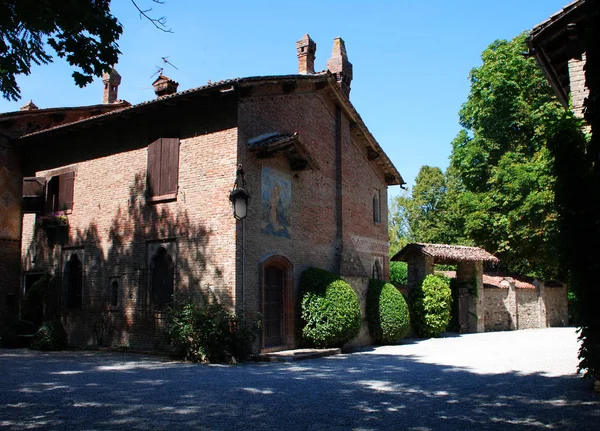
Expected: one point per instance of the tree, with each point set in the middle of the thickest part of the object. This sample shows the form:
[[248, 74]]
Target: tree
[[84, 32], [431, 212], [503, 164]]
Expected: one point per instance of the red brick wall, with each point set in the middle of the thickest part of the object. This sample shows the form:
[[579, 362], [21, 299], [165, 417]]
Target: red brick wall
[[112, 223], [313, 208]]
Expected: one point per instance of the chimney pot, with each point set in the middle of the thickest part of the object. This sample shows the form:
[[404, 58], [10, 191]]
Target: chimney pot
[[163, 86], [306, 49], [339, 65], [111, 82]]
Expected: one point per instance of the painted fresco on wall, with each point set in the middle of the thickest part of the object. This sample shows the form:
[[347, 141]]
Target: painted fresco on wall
[[276, 202]]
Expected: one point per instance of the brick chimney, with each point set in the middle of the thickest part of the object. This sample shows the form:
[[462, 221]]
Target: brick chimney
[[306, 49], [339, 65], [164, 86], [111, 83]]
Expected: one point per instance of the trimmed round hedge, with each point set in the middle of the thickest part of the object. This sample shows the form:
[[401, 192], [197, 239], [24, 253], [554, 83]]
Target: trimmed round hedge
[[387, 312], [330, 309], [430, 306]]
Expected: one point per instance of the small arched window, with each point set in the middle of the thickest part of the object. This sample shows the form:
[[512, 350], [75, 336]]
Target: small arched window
[[377, 270], [74, 276], [114, 294], [376, 207], [163, 273]]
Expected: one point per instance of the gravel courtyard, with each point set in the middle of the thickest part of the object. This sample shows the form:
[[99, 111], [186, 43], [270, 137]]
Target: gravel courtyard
[[504, 380]]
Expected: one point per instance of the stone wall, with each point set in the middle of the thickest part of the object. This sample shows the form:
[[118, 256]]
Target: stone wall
[[361, 287], [509, 308]]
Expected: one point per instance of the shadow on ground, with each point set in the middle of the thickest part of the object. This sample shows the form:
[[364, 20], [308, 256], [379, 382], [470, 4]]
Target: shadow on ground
[[361, 391]]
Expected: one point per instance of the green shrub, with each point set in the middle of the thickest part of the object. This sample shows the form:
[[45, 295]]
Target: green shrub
[[50, 336], [430, 306], [209, 333], [18, 334], [330, 309], [399, 273], [387, 312]]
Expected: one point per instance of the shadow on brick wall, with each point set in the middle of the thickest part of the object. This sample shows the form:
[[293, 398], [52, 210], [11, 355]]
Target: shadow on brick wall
[[116, 307]]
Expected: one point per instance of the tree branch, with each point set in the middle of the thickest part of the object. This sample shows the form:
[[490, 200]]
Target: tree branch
[[159, 23]]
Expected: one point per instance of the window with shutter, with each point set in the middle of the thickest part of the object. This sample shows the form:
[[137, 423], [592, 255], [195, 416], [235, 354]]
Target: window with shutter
[[163, 170], [59, 192], [34, 194]]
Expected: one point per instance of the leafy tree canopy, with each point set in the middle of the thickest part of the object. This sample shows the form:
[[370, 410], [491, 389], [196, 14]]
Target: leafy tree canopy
[[502, 161], [82, 31], [430, 213]]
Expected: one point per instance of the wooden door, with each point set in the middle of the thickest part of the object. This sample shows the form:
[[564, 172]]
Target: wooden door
[[273, 306]]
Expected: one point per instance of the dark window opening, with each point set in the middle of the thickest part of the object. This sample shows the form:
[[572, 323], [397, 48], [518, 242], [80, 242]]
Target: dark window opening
[[74, 278], [163, 272], [377, 270], [114, 294], [59, 193], [376, 208]]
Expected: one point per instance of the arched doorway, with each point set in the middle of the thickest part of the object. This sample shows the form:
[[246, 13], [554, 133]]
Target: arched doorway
[[277, 303], [162, 279]]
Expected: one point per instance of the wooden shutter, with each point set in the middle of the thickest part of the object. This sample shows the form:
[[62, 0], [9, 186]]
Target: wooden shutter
[[34, 194], [169, 173], [153, 169], [66, 183], [163, 169]]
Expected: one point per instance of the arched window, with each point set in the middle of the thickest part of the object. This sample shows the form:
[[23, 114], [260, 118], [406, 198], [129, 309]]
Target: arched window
[[377, 270], [74, 277], [376, 207], [114, 294], [162, 279]]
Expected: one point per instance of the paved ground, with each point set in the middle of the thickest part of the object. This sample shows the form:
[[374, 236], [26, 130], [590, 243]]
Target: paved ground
[[505, 381]]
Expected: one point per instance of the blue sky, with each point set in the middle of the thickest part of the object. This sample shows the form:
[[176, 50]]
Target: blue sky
[[411, 58]]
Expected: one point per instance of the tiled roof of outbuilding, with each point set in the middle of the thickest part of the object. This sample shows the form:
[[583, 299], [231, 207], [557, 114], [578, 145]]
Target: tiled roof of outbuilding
[[446, 253]]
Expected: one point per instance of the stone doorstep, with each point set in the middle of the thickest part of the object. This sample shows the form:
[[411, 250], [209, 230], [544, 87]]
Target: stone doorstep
[[295, 355]]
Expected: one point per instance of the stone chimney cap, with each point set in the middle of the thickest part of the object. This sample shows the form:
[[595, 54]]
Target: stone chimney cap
[[339, 65], [164, 85], [112, 77], [306, 41], [29, 106]]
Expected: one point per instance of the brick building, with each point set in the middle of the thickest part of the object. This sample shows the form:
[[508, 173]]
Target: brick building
[[129, 208]]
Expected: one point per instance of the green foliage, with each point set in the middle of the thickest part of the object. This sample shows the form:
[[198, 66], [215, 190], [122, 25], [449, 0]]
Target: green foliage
[[502, 162], [387, 312], [13, 333], [329, 308], [399, 273], [50, 336], [202, 332], [430, 306], [430, 213], [84, 32]]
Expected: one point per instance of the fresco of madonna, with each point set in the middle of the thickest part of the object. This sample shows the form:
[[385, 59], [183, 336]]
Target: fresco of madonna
[[276, 202]]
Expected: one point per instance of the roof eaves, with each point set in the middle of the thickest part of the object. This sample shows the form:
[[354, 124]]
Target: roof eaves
[[355, 116]]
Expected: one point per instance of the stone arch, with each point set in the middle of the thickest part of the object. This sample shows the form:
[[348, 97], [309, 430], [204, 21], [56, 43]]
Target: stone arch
[[277, 303]]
